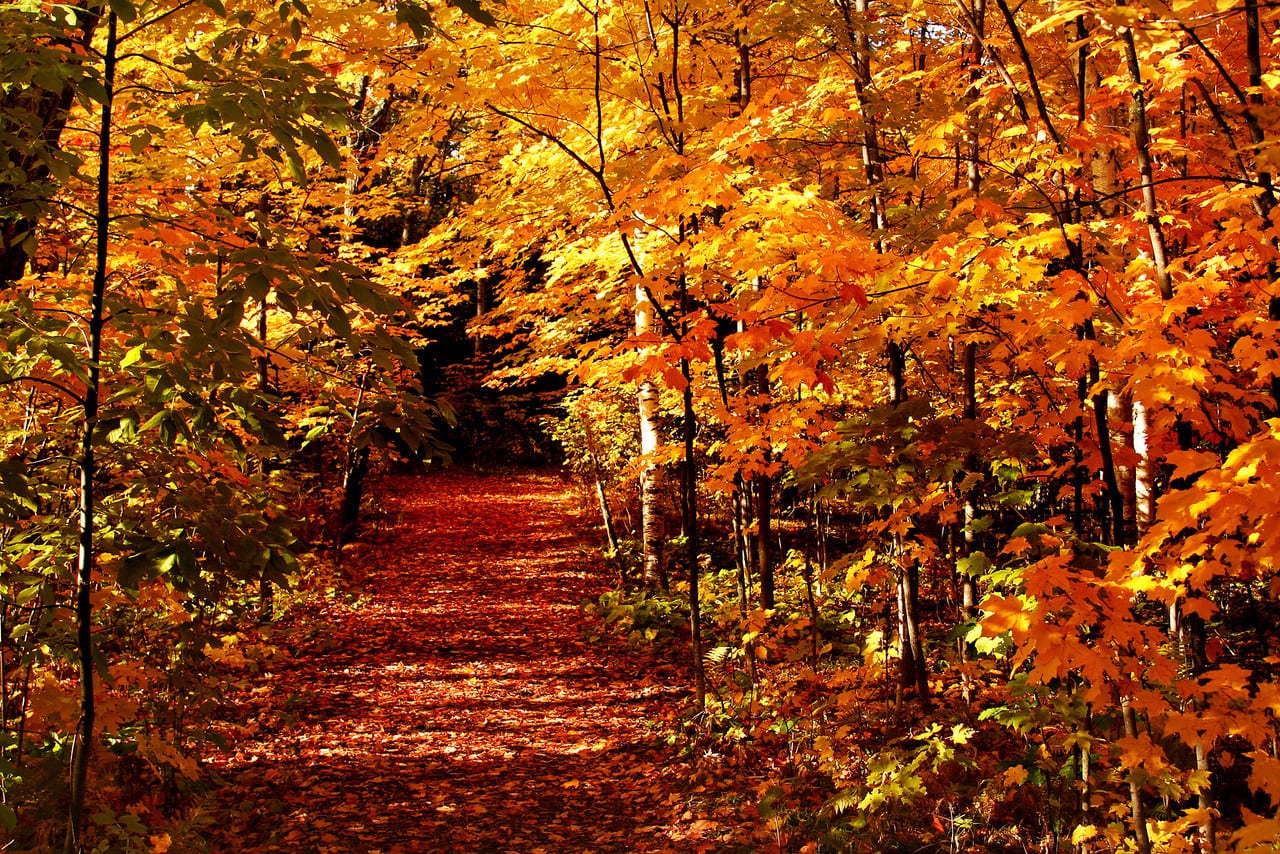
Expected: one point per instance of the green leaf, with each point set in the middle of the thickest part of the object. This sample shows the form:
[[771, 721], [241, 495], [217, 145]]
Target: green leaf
[[139, 141], [154, 421], [133, 824], [322, 144], [168, 432], [257, 286], [134, 354], [338, 323], [14, 477], [124, 10], [296, 167], [979, 524], [125, 431], [416, 18], [974, 565], [93, 88], [66, 358], [62, 13], [472, 8]]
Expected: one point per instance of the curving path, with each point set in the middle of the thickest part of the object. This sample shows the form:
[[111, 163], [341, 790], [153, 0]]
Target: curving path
[[456, 706]]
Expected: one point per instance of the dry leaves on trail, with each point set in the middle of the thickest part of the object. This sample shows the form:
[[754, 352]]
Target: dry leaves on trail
[[457, 707]]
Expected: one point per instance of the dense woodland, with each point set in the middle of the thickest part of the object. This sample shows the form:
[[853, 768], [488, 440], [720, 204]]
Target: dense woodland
[[921, 358]]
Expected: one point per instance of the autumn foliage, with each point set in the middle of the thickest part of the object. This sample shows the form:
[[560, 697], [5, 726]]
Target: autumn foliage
[[923, 360]]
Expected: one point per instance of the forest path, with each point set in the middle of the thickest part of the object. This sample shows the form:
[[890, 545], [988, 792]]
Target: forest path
[[456, 706]]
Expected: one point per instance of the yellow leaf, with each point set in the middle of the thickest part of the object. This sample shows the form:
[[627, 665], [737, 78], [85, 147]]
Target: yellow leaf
[[1257, 835], [1004, 613], [1015, 776], [1187, 463], [1083, 833]]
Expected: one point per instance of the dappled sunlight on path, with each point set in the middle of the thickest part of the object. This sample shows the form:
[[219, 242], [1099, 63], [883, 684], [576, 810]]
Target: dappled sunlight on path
[[456, 707]]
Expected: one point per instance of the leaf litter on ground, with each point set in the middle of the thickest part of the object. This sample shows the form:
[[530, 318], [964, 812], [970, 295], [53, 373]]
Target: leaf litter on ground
[[453, 704]]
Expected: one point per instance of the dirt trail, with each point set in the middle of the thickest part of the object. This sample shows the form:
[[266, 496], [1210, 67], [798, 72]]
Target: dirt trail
[[457, 707]]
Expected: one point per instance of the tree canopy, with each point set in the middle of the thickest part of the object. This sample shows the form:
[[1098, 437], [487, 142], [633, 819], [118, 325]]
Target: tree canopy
[[925, 359]]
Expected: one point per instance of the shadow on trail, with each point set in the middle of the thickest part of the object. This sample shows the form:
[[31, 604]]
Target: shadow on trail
[[456, 707]]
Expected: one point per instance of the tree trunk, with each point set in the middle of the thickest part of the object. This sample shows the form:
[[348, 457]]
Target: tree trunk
[[266, 595], [602, 498], [1119, 417], [969, 584], [45, 113], [910, 601], [1142, 147], [1113, 500], [973, 175], [973, 165], [651, 528], [913, 672], [763, 483], [1084, 748], [741, 545], [811, 526], [690, 504], [1137, 806], [862, 52], [1144, 488], [606, 518], [353, 496], [87, 555], [906, 649], [1114, 514], [763, 547]]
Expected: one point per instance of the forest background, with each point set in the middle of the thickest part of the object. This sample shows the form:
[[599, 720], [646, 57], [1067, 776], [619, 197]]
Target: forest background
[[923, 358]]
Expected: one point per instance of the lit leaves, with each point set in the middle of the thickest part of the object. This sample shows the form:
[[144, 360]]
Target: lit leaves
[[264, 95]]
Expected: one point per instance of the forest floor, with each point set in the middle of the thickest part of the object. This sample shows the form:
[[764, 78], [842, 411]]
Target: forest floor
[[453, 702]]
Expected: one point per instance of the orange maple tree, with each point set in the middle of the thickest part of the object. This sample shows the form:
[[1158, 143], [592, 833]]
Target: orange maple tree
[[924, 359]]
